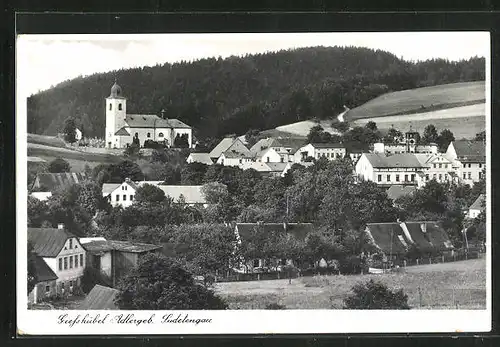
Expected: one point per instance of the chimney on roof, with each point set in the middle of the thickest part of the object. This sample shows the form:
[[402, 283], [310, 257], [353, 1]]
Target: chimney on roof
[[162, 113], [127, 180], [60, 226]]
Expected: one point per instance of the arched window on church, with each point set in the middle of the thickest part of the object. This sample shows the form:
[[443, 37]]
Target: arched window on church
[[110, 107], [119, 107], [160, 135], [149, 135]]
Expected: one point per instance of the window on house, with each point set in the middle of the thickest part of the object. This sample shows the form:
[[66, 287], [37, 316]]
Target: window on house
[[60, 264], [268, 159], [81, 259], [47, 289], [470, 165], [379, 178], [434, 176], [136, 135], [480, 165], [70, 284], [406, 178], [131, 197], [469, 175], [71, 262], [282, 159], [241, 161], [445, 166], [160, 135], [70, 243], [465, 175], [256, 263], [480, 175], [388, 178], [148, 135], [125, 187], [397, 178], [119, 107], [117, 197], [110, 107], [413, 177], [440, 165], [124, 197], [434, 166], [440, 177], [76, 260], [65, 263]]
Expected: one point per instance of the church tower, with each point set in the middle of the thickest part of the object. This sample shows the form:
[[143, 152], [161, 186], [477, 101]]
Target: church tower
[[411, 140], [116, 111]]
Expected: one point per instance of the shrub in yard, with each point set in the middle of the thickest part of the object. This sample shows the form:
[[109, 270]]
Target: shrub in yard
[[375, 295], [275, 306]]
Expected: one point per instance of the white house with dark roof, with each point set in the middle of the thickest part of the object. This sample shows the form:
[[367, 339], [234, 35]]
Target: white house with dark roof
[[330, 151], [45, 282], [122, 128], [276, 150], [231, 151], [469, 158], [120, 194], [390, 169], [62, 252], [477, 207]]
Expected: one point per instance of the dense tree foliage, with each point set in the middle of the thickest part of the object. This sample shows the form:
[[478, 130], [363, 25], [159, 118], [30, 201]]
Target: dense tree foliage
[[230, 96], [158, 283], [148, 193], [375, 295], [69, 130], [59, 165]]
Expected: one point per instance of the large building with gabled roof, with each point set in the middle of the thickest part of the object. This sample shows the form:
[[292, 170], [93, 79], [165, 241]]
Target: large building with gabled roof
[[123, 128], [469, 158]]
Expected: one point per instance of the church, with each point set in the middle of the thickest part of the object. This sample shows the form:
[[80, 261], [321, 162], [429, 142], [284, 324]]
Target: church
[[122, 128]]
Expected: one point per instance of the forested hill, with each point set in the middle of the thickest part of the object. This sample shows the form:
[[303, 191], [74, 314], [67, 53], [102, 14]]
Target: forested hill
[[233, 95]]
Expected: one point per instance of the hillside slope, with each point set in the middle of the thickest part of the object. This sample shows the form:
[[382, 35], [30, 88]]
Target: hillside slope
[[231, 96], [420, 100]]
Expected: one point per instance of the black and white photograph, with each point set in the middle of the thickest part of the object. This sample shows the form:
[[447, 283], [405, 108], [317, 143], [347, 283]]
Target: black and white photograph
[[211, 183]]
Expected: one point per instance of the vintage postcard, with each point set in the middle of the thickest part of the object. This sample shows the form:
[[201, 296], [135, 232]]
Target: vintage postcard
[[253, 183]]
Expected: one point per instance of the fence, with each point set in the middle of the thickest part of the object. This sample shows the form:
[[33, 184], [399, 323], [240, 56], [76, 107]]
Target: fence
[[447, 298], [438, 259]]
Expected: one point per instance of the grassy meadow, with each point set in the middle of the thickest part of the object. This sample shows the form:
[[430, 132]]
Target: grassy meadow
[[420, 100], [454, 285]]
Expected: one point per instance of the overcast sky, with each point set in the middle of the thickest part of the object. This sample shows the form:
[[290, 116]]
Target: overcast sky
[[46, 60]]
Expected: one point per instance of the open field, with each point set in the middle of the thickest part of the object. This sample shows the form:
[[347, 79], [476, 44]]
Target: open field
[[464, 122], [300, 129], [76, 159], [450, 285], [420, 100], [46, 140]]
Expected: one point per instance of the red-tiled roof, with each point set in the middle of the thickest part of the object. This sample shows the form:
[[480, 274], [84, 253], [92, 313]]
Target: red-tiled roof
[[48, 242], [100, 298]]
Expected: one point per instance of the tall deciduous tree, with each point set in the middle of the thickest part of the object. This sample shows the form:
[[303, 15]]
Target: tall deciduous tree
[[158, 283], [148, 193], [70, 130], [444, 140], [430, 134]]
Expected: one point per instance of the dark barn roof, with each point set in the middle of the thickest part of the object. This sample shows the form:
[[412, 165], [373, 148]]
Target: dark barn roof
[[100, 298], [387, 236], [48, 242], [43, 271], [432, 232], [470, 151], [53, 181]]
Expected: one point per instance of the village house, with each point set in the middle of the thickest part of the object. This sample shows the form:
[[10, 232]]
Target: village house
[[234, 158], [437, 167], [331, 151], [120, 194], [399, 169], [397, 241], [203, 158], [229, 144], [63, 253], [469, 158], [45, 282], [46, 184], [100, 298], [114, 258], [122, 128], [276, 150], [123, 194], [266, 169], [244, 232], [477, 207]]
